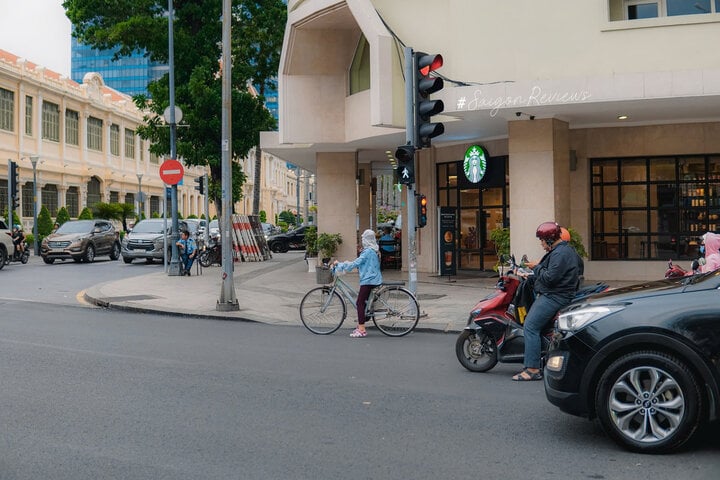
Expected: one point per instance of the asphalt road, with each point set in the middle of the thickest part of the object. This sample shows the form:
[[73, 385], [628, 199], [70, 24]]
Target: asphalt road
[[89, 393]]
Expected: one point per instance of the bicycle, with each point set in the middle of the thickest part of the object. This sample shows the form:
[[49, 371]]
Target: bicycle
[[393, 309]]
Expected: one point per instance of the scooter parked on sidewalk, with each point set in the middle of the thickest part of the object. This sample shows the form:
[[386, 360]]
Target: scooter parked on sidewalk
[[18, 256], [494, 332]]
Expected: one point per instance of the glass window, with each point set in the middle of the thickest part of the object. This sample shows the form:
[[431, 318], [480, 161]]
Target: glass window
[[658, 215], [94, 134], [71, 202], [29, 116], [72, 127], [49, 198], [360, 67], [27, 199], [129, 143], [154, 158], [114, 197], [115, 139], [7, 110], [50, 121], [642, 10], [687, 7], [93, 192]]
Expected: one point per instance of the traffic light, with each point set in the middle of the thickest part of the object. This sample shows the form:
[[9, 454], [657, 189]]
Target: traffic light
[[405, 155], [424, 107], [200, 187], [14, 178], [421, 211]]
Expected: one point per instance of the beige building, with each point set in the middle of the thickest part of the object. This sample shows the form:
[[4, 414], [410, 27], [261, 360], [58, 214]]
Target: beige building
[[280, 189], [85, 139], [603, 115]]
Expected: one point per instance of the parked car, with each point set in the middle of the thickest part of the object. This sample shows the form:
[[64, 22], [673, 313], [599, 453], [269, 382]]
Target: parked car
[[644, 360], [145, 240], [269, 229], [6, 244], [81, 240], [290, 240], [214, 228]]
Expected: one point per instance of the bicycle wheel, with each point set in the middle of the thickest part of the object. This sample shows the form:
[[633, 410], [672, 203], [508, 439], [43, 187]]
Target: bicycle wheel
[[322, 312], [394, 311]]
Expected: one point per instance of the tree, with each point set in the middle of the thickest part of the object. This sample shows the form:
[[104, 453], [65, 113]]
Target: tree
[[287, 217], [86, 214], [140, 25], [127, 210], [16, 218], [107, 211], [263, 216], [62, 216], [45, 223]]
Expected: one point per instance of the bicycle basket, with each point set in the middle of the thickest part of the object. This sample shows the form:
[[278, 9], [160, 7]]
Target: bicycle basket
[[323, 275]]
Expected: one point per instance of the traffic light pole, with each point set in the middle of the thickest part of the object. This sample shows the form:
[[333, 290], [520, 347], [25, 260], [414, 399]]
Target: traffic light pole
[[410, 79], [10, 220]]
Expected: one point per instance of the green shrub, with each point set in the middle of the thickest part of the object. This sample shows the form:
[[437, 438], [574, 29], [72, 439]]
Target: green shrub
[[311, 237], [328, 243], [577, 243], [45, 222], [62, 216], [86, 214]]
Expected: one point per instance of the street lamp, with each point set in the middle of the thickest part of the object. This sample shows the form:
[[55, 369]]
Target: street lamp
[[34, 160], [140, 175]]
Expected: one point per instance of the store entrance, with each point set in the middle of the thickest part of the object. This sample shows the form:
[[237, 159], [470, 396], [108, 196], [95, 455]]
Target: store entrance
[[481, 208]]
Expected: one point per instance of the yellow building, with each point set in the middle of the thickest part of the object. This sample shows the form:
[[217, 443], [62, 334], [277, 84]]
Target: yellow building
[[602, 115], [84, 136]]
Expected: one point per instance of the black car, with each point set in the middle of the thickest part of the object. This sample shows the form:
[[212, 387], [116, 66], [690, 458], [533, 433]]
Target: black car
[[290, 240], [644, 360]]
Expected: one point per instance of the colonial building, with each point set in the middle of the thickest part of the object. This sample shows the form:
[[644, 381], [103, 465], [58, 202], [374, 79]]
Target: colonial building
[[602, 115], [84, 137]]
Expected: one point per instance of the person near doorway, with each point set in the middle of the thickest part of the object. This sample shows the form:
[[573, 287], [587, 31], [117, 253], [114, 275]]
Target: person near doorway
[[386, 238], [556, 281]]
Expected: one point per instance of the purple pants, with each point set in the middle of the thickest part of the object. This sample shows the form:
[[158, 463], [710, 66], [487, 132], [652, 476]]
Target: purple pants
[[363, 295]]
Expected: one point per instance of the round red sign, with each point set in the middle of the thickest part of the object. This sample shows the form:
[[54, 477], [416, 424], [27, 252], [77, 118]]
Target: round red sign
[[171, 172]]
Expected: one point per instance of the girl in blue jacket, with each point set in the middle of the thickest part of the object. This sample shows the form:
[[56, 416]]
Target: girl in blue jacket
[[368, 265]]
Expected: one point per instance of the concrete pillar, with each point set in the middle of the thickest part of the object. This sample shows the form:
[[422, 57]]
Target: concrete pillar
[[539, 180], [336, 199], [365, 198]]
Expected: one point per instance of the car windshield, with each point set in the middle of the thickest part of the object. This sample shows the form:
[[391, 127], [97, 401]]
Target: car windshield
[[213, 224], [149, 227], [81, 226]]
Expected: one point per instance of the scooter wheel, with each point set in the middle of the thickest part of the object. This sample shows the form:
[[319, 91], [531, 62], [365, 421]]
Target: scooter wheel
[[476, 351]]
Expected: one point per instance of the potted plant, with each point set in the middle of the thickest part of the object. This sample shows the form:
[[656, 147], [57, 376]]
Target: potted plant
[[311, 249], [327, 245], [501, 238]]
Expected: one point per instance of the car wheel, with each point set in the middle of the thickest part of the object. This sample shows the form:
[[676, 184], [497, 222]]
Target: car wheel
[[127, 259], [649, 402], [89, 253], [115, 252], [49, 261], [3, 256]]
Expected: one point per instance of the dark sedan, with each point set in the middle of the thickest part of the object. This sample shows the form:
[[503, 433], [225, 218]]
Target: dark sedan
[[290, 240], [644, 360]]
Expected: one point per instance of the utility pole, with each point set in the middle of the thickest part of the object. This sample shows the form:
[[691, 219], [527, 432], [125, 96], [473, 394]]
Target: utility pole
[[175, 257], [227, 301]]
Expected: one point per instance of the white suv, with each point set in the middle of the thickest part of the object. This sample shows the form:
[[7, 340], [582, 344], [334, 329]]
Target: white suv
[[6, 244]]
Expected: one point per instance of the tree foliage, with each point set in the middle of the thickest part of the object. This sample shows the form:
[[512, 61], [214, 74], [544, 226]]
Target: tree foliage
[[45, 222], [86, 214], [62, 216], [127, 26], [107, 211]]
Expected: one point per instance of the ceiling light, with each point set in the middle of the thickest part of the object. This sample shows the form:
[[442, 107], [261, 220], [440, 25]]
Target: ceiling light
[[622, 117]]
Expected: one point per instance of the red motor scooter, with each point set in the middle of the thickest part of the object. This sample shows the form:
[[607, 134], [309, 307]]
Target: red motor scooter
[[493, 333]]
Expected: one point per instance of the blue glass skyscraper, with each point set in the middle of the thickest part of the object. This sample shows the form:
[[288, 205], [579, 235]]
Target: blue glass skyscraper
[[129, 75]]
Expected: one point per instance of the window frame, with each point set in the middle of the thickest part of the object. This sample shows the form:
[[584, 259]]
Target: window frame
[[7, 110], [29, 115], [95, 134], [50, 121], [662, 9], [129, 143], [115, 139], [72, 127]]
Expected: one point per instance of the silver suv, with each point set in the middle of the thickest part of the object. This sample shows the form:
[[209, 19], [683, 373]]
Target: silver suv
[[145, 240]]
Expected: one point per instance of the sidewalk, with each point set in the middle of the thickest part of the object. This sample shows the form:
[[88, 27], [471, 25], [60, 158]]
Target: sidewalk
[[271, 291]]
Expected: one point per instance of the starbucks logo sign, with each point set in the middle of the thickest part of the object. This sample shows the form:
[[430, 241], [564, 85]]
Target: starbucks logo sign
[[475, 163]]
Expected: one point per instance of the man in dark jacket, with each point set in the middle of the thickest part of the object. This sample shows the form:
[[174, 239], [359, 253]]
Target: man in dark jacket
[[556, 281]]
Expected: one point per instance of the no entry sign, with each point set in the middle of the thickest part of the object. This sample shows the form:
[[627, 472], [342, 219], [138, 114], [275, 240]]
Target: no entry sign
[[171, 172]]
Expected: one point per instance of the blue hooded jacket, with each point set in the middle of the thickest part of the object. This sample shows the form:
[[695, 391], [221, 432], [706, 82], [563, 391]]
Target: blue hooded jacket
[[368, 263]]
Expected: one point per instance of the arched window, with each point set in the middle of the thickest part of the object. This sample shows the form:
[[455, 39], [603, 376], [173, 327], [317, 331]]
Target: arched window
[[49, 198], [93, 192], [71, 202], [360, 67]]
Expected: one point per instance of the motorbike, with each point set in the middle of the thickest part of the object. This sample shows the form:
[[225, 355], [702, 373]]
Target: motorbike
[[212, 253], [17, 256], [676, 271], [494, 332]]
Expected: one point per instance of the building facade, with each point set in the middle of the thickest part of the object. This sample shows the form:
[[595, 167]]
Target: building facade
[[84, 136], [581, 121]]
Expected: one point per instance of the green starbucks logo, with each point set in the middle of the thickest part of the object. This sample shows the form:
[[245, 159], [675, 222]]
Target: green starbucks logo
[[475, 163]]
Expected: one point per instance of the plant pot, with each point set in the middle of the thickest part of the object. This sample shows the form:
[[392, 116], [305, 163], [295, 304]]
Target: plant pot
[[312, 263]]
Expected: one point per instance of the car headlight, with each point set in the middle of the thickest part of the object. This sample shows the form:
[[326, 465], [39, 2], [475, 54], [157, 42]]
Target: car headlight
[[574, 320]]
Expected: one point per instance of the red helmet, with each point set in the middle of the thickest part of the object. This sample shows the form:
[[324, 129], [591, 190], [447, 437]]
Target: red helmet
[[548, 232], [564, 234]]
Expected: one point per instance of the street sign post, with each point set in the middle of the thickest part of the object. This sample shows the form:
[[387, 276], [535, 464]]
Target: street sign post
[[171, 172]]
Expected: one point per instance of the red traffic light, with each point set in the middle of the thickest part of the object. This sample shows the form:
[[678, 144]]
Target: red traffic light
[[428, 63]]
